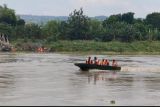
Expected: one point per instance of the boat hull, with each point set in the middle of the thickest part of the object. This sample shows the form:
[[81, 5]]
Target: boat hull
[[86, 67]]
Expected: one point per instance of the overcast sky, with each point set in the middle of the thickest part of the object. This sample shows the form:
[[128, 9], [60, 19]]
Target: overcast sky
[[91, 7]]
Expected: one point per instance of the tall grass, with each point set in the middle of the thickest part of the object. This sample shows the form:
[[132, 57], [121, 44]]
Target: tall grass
[[114, 46]]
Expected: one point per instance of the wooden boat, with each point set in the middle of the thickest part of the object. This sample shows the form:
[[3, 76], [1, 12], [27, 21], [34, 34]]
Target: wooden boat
[[86, 67]]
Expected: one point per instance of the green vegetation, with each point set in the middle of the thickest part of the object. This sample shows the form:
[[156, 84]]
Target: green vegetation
[[116, 46], [93, 47], [117, 33]]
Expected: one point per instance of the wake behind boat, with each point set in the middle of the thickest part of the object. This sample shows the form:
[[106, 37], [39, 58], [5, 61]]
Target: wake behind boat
[[86, 67]]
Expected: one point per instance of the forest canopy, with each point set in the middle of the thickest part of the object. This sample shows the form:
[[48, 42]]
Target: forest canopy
[[117, 27]]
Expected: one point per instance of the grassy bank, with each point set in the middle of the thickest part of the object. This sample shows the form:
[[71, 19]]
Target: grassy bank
[[138, 47]]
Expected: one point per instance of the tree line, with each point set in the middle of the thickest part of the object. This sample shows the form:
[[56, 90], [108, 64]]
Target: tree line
[[118, 27]]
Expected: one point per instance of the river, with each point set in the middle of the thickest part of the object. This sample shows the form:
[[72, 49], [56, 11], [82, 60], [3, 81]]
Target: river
[[52, 79]]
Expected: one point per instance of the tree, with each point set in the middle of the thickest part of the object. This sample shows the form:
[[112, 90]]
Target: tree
[[20, 22], [120, 31], [128, 17], [141, 28], [129, 33], [18, 32], [32, 31], [63, 29], [51, 30], [5, 29], [96, 29], [78, 25], [112, 19], [7, 15], [153, 19]]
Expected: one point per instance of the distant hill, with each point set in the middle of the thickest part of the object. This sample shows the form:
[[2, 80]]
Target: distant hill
[[101, 18], [45, 19], [41, 19]]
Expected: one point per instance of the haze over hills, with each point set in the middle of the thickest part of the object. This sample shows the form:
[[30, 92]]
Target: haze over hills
[[45, 19]]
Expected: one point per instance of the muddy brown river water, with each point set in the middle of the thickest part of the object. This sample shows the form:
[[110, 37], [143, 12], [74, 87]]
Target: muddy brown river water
[[52, 79]]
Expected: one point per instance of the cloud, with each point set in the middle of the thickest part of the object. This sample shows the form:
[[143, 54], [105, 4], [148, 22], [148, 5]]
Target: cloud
[[101, 7], [90, 7], [108, 7], [100, 2]]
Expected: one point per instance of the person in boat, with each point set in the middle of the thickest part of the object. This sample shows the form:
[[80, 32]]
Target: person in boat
[[103, 62], [114, 63], [96, 60], [99, 62], [107, 62], [89, 61]]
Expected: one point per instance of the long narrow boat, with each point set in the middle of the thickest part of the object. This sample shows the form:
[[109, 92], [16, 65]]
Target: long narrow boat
[[86, 67]]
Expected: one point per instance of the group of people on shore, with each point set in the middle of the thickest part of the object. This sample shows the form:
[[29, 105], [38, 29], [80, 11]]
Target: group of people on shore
[[41, 49], [100, 62]]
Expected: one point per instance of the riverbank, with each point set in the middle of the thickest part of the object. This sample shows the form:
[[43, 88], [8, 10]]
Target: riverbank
[[93, 47]]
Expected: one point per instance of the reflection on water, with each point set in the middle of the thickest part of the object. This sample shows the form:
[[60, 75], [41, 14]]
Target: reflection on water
[[52, 79], [102, 76]]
